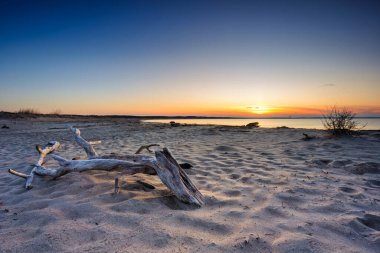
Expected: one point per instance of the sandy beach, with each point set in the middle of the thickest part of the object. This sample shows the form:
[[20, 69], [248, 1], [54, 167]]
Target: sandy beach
[[266, 190]]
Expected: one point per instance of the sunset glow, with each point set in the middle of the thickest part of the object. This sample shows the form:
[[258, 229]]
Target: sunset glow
[[259, 110], [248, 59]]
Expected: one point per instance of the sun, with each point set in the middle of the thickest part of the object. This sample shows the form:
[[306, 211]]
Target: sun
[[259, 109]]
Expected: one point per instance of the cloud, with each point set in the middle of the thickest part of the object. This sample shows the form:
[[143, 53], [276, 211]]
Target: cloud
[[328, 85]]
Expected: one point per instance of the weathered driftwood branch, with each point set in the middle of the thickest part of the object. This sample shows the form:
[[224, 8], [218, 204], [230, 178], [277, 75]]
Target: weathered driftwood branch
[[129, 168], [95, 142], [307, 137], [92, 154], [117, 187], [164, 165], [90, 151], [175, 178], [44, 151], [147, 147], [19, 174]]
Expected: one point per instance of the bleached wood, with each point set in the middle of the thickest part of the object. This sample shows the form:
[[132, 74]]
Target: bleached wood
[[175, 178], [147, 147], [101, 164], [90, 151], [43, 151], [133, 158], [163, 164], [16, 173], [95, 142], [92, 154]]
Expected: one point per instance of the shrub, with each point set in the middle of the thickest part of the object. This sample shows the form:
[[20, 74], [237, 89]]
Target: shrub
[[28, 111], [341, 121]]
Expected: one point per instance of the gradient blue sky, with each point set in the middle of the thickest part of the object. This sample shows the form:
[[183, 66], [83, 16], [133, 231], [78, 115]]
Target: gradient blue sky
[[190, 57]]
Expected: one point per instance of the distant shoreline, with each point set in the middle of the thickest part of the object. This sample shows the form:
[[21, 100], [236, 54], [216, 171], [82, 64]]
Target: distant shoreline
[[14, 115]]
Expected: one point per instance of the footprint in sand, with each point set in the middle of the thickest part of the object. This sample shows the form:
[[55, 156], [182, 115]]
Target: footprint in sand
[[232, 193], [339, 163], [234, 176], [366, 167], [371, 221], [373, 183], [235, 214], [347, 189], [204, 225], [224, 148]]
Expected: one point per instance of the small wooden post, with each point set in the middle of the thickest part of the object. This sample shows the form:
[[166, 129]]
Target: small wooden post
[[116, 185]]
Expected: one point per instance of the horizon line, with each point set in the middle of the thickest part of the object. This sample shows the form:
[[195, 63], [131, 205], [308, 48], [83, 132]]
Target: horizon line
[[311, 116]]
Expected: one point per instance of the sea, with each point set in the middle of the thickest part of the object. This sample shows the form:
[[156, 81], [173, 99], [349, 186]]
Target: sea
[[308, 123]]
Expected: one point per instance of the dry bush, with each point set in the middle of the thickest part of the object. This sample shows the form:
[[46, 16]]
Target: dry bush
[[28, 111], [341, 121]]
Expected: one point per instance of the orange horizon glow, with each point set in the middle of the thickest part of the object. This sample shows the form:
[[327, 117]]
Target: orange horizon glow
[[216, 111]]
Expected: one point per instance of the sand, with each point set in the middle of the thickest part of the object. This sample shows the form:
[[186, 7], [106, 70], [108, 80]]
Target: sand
[[266, 190]]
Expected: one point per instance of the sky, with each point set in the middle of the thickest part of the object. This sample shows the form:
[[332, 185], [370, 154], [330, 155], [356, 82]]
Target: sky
[[209, 58]]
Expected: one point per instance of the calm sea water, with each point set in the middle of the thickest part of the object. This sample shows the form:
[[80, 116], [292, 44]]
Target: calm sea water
[[371, 123]]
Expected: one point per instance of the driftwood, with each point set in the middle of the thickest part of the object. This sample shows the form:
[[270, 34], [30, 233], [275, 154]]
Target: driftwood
[[117, 187], [147, 147], [307, 137], [163, 165], [43, 151]]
